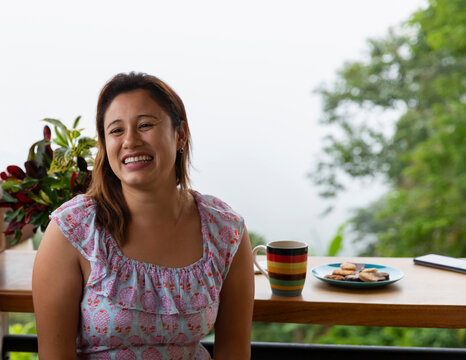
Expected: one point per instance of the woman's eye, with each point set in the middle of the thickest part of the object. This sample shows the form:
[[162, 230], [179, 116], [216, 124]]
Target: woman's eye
[[115, 131], [145, 126]]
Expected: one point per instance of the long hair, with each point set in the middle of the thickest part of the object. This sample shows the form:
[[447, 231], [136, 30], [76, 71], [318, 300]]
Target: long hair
[[112, 212]]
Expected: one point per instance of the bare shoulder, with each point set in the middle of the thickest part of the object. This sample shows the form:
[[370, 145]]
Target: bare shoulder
[[55, 248], [56, 262]]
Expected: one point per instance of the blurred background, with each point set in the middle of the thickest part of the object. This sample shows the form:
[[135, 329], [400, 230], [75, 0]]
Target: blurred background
[[246, 70], [337, 123]]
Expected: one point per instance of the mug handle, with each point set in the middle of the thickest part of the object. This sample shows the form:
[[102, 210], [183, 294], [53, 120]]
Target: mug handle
[[254, 253]]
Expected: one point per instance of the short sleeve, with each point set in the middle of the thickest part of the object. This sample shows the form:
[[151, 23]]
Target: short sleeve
[[76, 220], [224, 228]]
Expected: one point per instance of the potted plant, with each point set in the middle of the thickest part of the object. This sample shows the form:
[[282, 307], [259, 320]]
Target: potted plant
[[50, 178]]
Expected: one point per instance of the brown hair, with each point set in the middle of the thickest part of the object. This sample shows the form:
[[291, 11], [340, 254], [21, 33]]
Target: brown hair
[[112, 211]]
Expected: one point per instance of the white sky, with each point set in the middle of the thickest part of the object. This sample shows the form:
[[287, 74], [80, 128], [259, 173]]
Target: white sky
[[244, 69]]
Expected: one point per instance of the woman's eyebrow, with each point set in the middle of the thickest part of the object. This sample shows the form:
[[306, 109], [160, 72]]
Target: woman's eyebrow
[[113, 122], [147, 115], [137, 117]]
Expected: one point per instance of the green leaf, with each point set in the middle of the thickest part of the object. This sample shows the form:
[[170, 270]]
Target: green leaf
[[44, 221], [38, 199], [336, 243], [10, 184], [49, 182], [59, 142], [76, 122], [85, 144], [20, 216], [51, 194], [62, 138], [45, 197], [29, 182], [32, 149], [62, 160], [10, 215], [56, 123], [35, 219], [75, 134], [17, 237], [8, 197]]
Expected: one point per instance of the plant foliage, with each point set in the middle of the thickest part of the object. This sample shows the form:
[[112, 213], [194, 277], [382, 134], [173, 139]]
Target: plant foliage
[[50, 178], [417, 76]]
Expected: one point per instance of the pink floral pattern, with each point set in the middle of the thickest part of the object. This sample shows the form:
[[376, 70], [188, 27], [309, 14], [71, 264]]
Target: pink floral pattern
[[135, 310]]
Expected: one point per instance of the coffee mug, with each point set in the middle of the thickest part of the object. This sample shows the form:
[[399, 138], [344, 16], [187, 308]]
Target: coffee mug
[[286, 266]]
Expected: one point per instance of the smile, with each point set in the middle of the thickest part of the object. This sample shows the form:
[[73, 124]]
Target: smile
[[137, 159]]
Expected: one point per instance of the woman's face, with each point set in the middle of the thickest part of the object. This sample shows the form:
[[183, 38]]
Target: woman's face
[[141, 142]]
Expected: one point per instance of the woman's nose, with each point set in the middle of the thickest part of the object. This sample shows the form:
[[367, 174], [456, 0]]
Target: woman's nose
[[132, 138]]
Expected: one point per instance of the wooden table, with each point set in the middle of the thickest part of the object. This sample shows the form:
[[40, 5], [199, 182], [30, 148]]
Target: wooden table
[[425, 297]]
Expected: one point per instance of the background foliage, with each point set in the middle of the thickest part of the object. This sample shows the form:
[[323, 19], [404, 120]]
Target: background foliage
[[400, 115]]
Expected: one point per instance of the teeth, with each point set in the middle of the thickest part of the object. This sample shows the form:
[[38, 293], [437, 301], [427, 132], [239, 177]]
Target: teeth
[[141, 158]]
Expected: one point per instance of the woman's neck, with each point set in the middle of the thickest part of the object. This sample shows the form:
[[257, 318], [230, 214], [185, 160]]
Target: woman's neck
[[165, 205]]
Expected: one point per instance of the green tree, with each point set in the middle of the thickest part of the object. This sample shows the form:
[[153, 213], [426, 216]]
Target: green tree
[[416, 75]]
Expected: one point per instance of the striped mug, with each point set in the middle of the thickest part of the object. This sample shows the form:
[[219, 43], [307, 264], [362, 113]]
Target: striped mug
[[286, 266]]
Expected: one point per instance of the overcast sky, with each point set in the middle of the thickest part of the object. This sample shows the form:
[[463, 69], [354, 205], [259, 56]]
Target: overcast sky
[[245, 70]]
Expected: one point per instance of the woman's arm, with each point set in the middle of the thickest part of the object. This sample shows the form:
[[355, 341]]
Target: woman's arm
[[234, 319], [57, 286]]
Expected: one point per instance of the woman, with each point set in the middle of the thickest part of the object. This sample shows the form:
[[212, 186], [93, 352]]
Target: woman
[[141, 267]]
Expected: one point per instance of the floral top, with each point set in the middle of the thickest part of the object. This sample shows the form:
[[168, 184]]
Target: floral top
[[135, 310]]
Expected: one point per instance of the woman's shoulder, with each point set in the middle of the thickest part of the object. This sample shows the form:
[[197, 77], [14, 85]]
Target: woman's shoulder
[[80, 206], [215, 205], [223, 227], [81, 200], [76, 219]]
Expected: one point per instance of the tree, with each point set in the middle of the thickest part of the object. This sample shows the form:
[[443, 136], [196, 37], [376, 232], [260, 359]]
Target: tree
[[417, 75]]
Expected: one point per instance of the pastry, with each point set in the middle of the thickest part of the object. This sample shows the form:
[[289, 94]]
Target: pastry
[[335, 277], [342, 272], [348, 266]]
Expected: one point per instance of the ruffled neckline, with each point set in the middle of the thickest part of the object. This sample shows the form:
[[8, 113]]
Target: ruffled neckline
[[197, 264]]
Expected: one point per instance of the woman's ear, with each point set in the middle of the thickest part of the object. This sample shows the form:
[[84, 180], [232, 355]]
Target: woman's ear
[[181, 133]]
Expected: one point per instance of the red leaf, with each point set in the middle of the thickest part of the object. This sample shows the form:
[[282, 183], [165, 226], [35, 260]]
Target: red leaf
[[29, 213], [16, 172], [49, 151], [13, 226], [73, 178], [6, 204], [34, 209], [24, 198], [31, 169], [47, 133]]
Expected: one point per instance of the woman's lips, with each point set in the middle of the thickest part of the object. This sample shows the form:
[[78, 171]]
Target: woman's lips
[[137, 165], [140, 157], [137, 161]]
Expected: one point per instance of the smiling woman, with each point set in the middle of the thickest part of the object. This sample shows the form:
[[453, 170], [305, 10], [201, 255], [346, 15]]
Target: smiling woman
[[133, 99], [141, 142], [137, 268]]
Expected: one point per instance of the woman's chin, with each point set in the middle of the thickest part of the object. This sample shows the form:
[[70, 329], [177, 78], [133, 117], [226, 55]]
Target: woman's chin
[[137, 182]]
